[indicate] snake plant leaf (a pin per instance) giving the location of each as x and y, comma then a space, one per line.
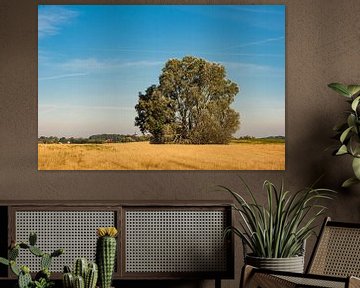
353, 89
355, 103
340, 88
356, 167
349, 182
345, 134
342, 150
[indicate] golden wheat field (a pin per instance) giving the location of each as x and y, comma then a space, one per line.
145, 156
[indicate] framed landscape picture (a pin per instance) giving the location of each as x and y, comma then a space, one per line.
161, 87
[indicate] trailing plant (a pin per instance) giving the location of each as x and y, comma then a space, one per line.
106, 254
42, 278
279, 229
348, 132
84, 275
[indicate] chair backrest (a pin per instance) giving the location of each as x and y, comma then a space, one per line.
337, 251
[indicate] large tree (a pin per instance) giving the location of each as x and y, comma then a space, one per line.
191, 104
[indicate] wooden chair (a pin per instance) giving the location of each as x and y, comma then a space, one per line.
335, 262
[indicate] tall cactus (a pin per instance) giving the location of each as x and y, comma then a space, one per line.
106, 254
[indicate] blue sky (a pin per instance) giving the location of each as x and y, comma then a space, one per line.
94, 59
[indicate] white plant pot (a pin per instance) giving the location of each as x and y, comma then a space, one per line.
291, 264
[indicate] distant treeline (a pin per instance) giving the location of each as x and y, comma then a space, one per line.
95, 139
247, 137
125, 138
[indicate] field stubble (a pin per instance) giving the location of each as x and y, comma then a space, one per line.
145, 156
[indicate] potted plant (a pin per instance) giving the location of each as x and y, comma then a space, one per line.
348, 132
42, 278
276, 233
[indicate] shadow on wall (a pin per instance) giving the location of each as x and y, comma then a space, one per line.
316, 161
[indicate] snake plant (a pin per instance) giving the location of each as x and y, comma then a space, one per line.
279, 228
348, 132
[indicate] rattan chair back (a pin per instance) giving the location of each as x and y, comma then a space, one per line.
337, 252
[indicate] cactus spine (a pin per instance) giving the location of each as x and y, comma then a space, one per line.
106, 254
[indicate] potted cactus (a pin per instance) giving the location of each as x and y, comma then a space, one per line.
84, 275
106, 254
42, 278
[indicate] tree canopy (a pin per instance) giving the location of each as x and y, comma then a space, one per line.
191, 104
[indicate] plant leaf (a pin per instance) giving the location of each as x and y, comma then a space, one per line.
349, 182
355, 103
351, 119
340, 88
342, 150
345, 134
353, 89
356, 167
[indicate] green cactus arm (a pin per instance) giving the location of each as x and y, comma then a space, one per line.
4, 261
91, 277
36, 251
79, 282
67, 269
32, 238
68, 280
81, 266
45, 261
24, 245
57, 252
24, 280
13, 253
14, 268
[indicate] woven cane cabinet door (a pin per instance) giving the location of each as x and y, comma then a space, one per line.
73, 229
171, 242
155, 241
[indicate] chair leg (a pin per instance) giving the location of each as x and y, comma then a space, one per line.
251, 279
246, 274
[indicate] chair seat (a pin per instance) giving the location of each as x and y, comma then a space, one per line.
268, 279
314, 282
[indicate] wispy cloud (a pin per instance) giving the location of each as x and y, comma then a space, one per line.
254, 69
54, 77
52, 18
266, 9
255, 43
96, 65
